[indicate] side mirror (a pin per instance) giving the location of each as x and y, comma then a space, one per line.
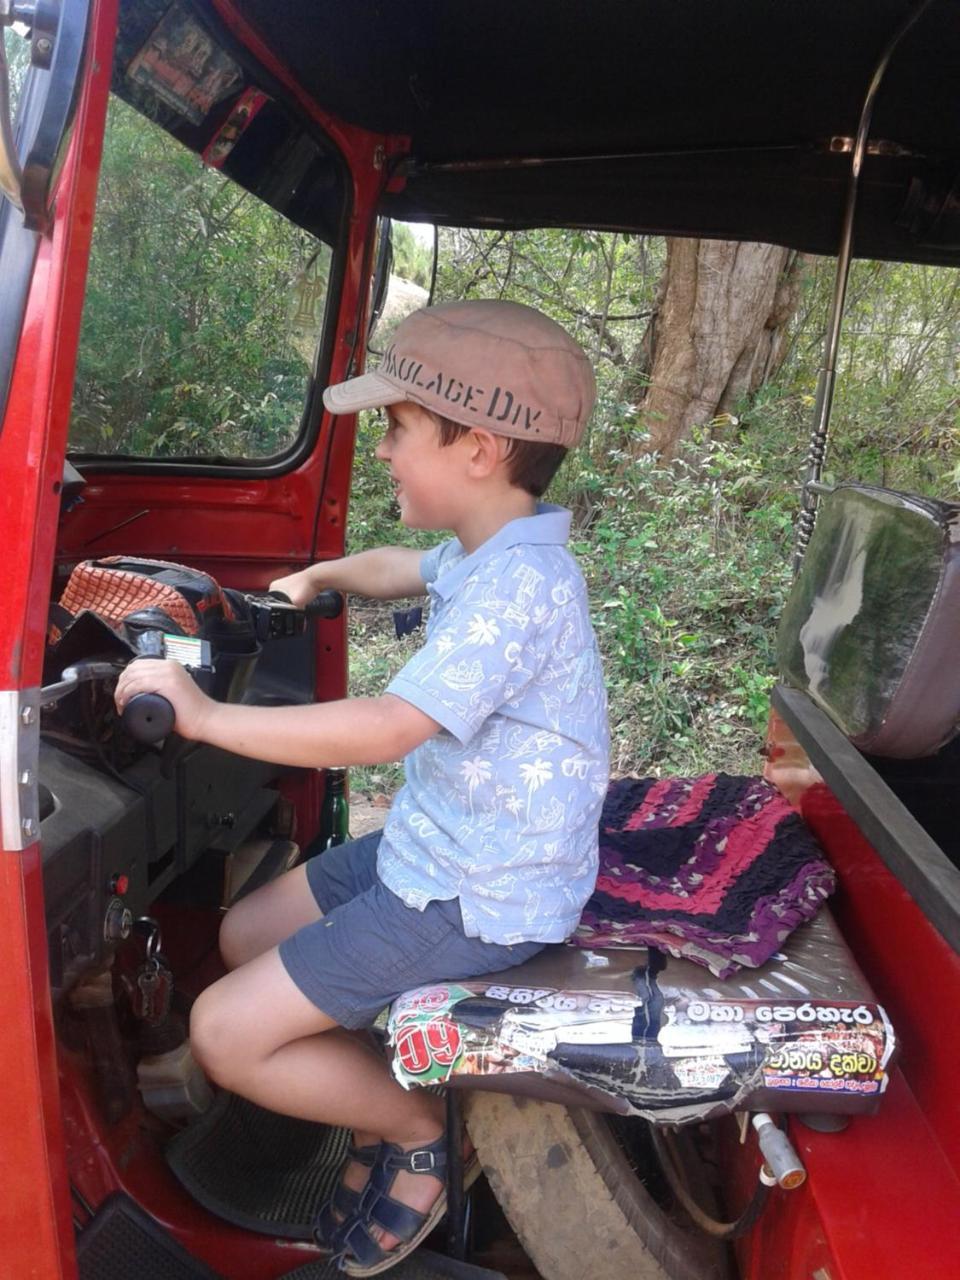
32, 148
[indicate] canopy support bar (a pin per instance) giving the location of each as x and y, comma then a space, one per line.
828, 369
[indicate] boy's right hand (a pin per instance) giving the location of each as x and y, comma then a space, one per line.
152, 675
300, 588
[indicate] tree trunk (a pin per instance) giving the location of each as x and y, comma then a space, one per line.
718, 333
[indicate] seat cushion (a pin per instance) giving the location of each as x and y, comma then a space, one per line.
716, 869
637, 1033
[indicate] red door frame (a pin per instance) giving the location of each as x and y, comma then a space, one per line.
36, 1235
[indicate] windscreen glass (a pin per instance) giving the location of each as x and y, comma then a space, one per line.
202, 314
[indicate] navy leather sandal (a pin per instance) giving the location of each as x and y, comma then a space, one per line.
361, 1254
343, 1203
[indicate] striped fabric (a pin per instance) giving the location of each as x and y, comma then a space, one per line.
716, 869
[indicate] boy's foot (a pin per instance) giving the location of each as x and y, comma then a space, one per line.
406, 1201
345, 1200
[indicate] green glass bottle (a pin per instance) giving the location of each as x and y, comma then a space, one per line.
335, 813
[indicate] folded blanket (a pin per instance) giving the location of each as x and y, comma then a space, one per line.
716, 869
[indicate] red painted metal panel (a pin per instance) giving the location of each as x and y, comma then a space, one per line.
914, 972
35, 1218
882, 1199
880, 1202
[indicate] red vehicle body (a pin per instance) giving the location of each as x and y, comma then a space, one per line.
883, 1197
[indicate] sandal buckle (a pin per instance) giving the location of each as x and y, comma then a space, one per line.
422, 1161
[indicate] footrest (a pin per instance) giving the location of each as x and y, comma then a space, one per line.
259, 1170
422, 1265
121, 1241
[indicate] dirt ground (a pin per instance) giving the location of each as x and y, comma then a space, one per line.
368, 813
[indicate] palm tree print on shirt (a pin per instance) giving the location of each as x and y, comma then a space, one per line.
534, 776
474, 772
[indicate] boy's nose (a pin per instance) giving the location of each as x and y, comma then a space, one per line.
381, 452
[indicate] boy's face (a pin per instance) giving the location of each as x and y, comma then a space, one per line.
428, 478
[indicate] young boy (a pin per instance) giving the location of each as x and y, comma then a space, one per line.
490, 848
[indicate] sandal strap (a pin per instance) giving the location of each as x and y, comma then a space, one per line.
344, 1202
430, 1159
367, 1156
379, 1208
390, 1215
354, 1241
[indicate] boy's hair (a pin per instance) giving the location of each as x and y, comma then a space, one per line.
530, 465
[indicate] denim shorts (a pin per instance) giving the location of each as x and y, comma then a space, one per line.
370, 946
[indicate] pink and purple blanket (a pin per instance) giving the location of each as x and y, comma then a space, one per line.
717, 869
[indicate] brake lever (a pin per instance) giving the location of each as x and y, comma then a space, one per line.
72, 677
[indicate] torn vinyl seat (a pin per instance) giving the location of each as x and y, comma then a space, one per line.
635, 1033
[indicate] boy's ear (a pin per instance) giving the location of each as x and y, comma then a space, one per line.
486, 452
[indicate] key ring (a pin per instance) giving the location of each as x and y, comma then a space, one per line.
147, 925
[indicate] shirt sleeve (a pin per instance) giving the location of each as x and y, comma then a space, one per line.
430, 562
483, 653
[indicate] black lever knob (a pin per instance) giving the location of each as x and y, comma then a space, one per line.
328, 604
148, 717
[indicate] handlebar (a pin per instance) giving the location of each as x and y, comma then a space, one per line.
150, 717
328, 604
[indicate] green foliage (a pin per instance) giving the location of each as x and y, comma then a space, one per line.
411, 259
201, 311
688, 564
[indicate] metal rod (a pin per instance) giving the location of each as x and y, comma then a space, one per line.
456, 1223
828, 370
493, 164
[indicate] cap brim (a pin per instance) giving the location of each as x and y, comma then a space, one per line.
369, 391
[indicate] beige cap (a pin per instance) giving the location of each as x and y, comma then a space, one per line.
498, 365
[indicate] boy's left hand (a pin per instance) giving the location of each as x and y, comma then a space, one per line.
155, 675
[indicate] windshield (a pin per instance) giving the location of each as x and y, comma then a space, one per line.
202, 313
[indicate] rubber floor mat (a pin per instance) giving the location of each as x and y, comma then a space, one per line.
257, 1169
422, 1265
121, 1241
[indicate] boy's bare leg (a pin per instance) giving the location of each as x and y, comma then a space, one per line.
267, 916
255, 1033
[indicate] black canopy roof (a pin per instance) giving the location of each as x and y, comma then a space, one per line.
709, 117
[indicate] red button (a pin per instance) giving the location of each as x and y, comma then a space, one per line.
120, 884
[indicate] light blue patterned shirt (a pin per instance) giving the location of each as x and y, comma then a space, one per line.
500, 808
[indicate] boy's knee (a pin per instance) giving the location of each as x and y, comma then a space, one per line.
235, 943
213, 1042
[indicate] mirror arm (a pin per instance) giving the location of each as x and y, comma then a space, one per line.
828, 370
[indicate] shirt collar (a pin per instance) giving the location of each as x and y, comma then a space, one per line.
550, 526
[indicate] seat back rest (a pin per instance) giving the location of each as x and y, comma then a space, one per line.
872, 627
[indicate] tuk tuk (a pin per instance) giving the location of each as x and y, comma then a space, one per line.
831, 129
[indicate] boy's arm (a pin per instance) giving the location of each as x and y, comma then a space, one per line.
353, 731
385, 573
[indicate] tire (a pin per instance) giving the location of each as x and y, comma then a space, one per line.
575, 1201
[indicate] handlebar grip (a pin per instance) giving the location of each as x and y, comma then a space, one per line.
328, 604
148, 717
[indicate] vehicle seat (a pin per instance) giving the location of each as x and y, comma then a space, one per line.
635, 1033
